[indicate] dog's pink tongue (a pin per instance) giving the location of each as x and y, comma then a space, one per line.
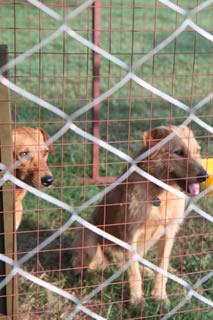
194, 189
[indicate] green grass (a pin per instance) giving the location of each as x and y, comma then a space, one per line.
62, 73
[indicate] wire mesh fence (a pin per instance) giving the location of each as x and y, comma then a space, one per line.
71, 132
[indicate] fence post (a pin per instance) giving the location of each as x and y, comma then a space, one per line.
8, 299
96, 86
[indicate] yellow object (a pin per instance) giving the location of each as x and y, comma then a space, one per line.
208, 165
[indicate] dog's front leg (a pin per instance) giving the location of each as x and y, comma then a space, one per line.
165, 245
135, 281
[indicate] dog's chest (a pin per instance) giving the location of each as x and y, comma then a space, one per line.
171, 209
162, 210
139, 206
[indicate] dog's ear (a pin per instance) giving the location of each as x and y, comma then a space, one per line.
46, 137
152, 137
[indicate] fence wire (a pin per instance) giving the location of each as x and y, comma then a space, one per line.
70, 126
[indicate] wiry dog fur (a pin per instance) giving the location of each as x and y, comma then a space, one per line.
128, 213
33, 171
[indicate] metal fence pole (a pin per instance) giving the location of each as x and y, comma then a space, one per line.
96, 86
8, 297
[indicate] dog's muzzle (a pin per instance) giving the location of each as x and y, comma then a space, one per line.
202, 176
47, 181
193, 186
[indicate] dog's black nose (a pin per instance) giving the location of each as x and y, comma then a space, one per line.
202, 176
47, 180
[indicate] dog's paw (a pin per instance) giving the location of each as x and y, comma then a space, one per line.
136, 297
160, 296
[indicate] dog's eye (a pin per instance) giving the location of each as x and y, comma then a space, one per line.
46, 152
23, 154
179, 153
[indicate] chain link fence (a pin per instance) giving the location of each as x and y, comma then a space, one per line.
70, 126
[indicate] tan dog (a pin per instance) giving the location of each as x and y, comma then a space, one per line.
137, 210
34, 171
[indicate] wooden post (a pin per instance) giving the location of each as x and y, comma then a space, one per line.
8, 301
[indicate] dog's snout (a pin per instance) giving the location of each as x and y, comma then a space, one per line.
47, 180
202, 176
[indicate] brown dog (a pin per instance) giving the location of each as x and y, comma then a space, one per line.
34, 171
137, 210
